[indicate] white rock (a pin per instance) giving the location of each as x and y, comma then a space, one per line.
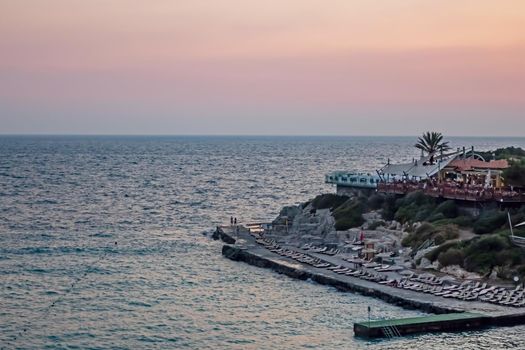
457, 271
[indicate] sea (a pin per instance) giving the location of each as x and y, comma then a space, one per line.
105, 244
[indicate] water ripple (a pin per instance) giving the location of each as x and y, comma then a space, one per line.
101, 244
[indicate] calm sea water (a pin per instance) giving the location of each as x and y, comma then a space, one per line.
101, 244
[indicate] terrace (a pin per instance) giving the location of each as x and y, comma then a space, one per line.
472, 193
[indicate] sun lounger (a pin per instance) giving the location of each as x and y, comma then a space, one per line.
342, 269
371, 264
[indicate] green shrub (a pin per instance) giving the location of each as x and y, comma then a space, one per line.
449, 231
483, 254
481, 262
490, 221
348, 215
425, 228
328, 201
413, 207
448, 209
421, 234
463, 221
437, 217
452, 256
428, 231
389, 207
408, 240
418, 198
433, 255
439, 239
422, 213
375, 201
515, 174
510, 257
504, 153
490, 243
347, 223
405, 213
413, 213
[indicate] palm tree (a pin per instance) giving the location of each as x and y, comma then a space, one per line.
431, 143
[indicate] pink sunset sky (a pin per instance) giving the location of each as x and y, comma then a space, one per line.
342, 67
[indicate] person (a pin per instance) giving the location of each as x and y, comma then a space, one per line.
231, 220
235, 221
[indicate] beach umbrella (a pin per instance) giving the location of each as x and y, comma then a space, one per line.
488, 179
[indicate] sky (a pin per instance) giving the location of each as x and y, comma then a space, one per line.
294, 67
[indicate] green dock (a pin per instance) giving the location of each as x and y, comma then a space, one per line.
452, 322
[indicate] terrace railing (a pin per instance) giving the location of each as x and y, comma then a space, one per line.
473, 194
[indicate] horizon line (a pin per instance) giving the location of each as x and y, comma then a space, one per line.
248, 134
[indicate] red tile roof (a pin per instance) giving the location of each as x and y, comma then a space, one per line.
470, 163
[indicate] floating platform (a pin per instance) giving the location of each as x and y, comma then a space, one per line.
453, 322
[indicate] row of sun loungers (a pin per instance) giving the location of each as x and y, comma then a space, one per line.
301, 257
322, 250
467, 291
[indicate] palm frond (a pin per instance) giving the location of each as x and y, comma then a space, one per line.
431, 142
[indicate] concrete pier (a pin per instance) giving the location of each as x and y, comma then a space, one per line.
246, 249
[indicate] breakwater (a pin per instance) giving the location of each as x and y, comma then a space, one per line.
260, 260
245, 249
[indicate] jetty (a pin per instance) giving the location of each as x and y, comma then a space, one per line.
435, 323
454, 314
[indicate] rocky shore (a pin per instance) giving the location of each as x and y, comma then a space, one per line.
439, 239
